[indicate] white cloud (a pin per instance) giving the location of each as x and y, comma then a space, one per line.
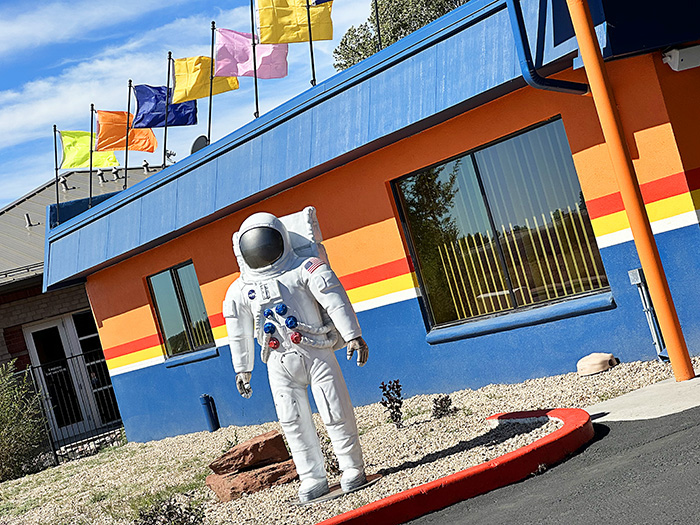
25, 26
29, 111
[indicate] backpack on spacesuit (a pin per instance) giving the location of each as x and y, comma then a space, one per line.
305, 234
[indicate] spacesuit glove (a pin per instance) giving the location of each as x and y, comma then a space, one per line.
243, 384
362, 350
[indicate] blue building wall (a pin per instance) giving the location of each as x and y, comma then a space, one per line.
157, 401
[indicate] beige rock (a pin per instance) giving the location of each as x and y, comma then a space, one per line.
228, 487
596, 362
261, 450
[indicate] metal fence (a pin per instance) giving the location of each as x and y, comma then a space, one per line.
80, 410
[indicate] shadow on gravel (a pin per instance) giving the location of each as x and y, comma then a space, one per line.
492, 437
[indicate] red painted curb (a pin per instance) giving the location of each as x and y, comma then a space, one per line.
499, 472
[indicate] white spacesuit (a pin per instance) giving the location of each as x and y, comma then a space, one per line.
300, 314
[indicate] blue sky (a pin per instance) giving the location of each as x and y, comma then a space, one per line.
59, 57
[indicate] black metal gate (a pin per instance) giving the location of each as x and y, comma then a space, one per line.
79, 405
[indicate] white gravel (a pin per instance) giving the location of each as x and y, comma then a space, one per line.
110, 487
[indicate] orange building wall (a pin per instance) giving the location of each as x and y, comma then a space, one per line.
357, 213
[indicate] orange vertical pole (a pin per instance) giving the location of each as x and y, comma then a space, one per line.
609, 117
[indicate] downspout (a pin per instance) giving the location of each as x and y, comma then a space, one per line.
527, 67
610, 123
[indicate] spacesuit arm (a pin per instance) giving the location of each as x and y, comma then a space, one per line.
330, 294
240, 328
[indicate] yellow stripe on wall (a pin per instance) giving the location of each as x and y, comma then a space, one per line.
670, 207
219, 332
374, 290
610, 223
662, 209
135, 357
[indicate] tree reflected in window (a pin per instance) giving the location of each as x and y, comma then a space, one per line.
501, 228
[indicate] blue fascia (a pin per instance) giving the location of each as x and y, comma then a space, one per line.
123, 225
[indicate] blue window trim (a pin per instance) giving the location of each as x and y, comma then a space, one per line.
192, 357
518, 319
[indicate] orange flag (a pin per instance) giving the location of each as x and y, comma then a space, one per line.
111, 133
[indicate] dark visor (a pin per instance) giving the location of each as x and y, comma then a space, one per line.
261, 246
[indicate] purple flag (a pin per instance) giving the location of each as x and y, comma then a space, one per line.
234, 56
319, 2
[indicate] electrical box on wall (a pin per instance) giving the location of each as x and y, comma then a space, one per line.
682, 59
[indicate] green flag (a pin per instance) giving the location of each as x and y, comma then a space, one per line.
76, 152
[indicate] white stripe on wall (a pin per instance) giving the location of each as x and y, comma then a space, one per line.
689, 218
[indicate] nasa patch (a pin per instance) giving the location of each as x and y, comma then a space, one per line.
251, 294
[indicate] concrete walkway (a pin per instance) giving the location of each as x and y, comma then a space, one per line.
657, 400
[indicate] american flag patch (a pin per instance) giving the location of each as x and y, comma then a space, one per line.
312, 264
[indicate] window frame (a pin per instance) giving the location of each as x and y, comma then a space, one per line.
590, 301
183, 309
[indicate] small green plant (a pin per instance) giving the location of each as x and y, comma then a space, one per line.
230, 443
442, 406
392, 400
22, 430
170, 512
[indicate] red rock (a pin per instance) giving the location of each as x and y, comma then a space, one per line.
228, 487
261, 450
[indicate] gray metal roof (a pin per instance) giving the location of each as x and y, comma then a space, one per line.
22, 246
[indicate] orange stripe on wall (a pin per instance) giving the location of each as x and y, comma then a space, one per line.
132, 346
653, 191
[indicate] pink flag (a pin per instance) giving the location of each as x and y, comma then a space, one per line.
234, 56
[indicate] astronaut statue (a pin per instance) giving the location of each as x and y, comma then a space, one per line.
289, 299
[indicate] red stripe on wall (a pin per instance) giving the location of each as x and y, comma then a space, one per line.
132, 346
603, 206
653, 191
217, 320
664, 188
376, 274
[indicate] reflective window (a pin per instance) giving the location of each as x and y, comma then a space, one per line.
180, 308
501, 228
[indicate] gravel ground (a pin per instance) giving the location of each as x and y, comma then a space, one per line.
111, 487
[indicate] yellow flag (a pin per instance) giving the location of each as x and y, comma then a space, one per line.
76, 151
286, 21
192, 80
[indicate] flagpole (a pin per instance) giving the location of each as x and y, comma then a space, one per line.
92, 125
126, 148
311, 45
167, 106
211, 79
376, 18
55, 163
255, 61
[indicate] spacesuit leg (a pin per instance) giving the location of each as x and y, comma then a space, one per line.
288, 381
333, 402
